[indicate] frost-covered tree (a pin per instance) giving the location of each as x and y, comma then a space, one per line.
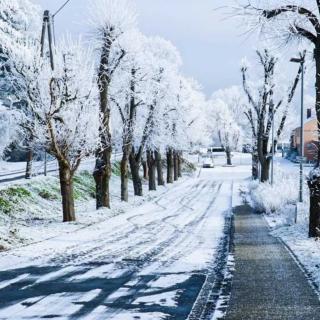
165, 63
110, 20
127, 97
161, 63
61, 112
9, 129
265, 101
228, 131
236, 100
19, 23
23, 70
229, 120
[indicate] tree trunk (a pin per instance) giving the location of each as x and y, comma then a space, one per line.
29, 164
314, 184
145, 170
125, 173
152, 170
317, 87
175, 166
159, 168
136, 179
229, 159
170, 165
180, 165
103, 169
314, 221
102, 175
265, 170
255, 165
255, 160
66, 188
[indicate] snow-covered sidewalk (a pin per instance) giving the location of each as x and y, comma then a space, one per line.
147, 262
279, 204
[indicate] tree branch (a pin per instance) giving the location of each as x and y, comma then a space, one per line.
269, 14
247, 90
304, 33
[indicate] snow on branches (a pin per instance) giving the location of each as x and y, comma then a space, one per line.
284, 20
227, 119
18, 21
131, 95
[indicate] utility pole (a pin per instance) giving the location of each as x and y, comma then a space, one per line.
47, 28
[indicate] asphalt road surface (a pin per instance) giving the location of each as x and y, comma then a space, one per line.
268, 284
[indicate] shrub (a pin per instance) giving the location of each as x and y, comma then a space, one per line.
271, 198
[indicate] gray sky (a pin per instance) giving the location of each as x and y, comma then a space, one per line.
211, 46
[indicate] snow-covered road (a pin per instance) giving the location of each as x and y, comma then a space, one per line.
148, 263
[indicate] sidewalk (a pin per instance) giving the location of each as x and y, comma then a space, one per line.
267, 284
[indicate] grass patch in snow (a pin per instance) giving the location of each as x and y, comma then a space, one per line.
37, 203
10, 197
116, 168
188, 166
84, 186
48, 195
5, 206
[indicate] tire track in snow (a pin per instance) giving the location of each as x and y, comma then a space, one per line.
122, 232
128, 236
206, 302
181, 239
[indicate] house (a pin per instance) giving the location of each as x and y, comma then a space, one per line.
310, 138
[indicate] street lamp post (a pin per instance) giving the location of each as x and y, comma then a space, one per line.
273, 145
301, 60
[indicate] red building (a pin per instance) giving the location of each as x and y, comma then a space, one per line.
310, 139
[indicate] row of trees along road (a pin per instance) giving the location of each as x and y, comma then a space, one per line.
130, 95
294, 22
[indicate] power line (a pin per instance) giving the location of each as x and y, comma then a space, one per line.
61, 8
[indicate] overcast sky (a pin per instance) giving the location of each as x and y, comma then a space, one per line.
211, 45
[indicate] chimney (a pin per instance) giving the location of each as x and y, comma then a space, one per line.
309, 113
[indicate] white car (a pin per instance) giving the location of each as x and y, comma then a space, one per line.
208, 163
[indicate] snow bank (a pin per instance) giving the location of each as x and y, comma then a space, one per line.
269, 198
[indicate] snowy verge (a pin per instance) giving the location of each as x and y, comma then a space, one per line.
273, 198
30, 211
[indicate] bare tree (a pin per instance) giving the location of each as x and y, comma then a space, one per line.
263, 108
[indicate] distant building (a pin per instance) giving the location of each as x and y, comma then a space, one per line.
310, 138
